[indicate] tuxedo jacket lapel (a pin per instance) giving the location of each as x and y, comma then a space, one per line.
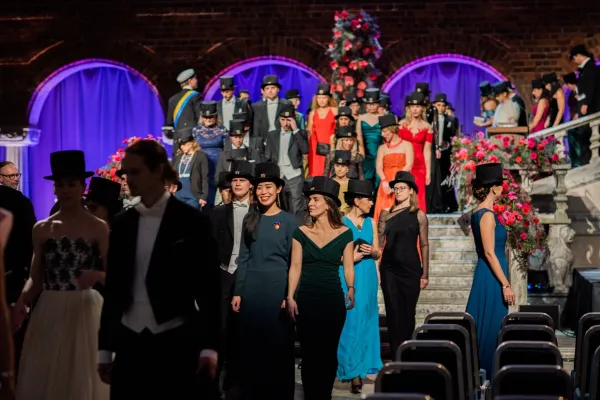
229, 217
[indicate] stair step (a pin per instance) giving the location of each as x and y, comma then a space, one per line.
446, 230
453, 242
443, 219
453, 254
443, 267
453, 281
424, 309
445, 293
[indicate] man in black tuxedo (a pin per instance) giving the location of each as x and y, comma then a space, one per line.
522, 121
227, 221
286, 147
161, 316
239, 146
445, 128
18, 252
266, 112
229, 104
184, 107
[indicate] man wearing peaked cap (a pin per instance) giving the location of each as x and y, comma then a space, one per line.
183, 110
229, 105
266, 112
293, 96
286, 147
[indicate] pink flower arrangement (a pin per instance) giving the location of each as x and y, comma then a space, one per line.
109, 171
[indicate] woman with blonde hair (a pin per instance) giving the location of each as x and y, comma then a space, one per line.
321, 125
404, 273
191, 165
346, 141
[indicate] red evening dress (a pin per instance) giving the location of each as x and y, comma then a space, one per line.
322, 129
419, 170
540, 125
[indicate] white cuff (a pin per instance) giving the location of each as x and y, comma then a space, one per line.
105, 357
210, 354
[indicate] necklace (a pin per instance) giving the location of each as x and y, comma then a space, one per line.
389, 144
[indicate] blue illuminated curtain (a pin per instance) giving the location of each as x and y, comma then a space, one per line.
290, 77
459, 81
2, 153
93, 110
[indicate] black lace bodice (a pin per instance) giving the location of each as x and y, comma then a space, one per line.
66, 258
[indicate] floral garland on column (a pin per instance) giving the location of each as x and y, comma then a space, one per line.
354, 50
109, 171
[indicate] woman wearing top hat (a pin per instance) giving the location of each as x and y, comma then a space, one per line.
192, 168
103, 198
415, 129
402, 232
60, 349
540, 105
346, 141
210, 136
491, 293
320, 127
488, 105
319, 305
369, 132
359, 351
266, 333
557, 105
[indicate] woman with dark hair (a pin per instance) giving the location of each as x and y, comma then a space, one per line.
557, 100
359, 351
59, 358
540, 108
403, 230
491, 293
102, 198
266, 333
319, 306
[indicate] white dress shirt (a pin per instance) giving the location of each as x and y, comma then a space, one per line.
228, 108
285, 164
272, 112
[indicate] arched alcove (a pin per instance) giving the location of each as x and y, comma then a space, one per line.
250, 72
456, 75
90, 105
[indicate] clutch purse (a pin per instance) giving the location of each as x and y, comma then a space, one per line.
323, 149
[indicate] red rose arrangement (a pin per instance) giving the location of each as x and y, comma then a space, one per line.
109, 171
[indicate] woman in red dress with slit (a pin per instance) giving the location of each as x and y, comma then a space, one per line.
415, 129
321, 125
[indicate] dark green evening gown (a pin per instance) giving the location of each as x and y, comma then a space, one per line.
266, 331
321, 313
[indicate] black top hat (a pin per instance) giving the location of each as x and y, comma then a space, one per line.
241, 169
351, 98
422, 87
416, 99
241, 115
485, 89
371, 96
185, 136
67, 164
270, 80
238, 155
387, 120
500, 87
344, 112
440, 98
580, 49
385, 102
570, 78
384, 95
449, 106
226, 83
292, 94
488, 175
236, 127
537, 84
208, 108
405, 177
223, 182
326, 187
342, 157
406, 100
360, 188
287, 111
345, 132
106, 193
324, 88
244, 91
550, 78
267, 172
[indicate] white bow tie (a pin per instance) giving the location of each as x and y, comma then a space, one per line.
237, 204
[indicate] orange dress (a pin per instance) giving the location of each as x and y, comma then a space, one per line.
392, 163
322, 129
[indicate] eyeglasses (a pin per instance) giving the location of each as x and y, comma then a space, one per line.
400, 189
12, 176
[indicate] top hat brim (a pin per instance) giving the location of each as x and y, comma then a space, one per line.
261, 179
231, 176
487, 182
413, 185
270, 84
349, 116
209, 115
84, 175
360, 194
335, 199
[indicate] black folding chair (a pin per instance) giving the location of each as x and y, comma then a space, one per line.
396, 396
528, 318
407, 377
591, 342
519, 397
527, 333
442, 352
459, 336
532, 380
526, 353
586, 322
595, 377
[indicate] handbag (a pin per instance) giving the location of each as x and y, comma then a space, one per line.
323, 149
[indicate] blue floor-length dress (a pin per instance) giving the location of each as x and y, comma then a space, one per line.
359, 351
486, 302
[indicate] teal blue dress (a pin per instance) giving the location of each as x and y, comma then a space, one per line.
372, 141
359, 351
486, 302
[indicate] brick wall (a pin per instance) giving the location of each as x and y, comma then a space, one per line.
520, 38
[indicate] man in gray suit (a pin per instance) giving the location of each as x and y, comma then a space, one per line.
266, 112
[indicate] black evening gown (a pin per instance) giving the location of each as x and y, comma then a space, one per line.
321, 313
400, 233
266, 332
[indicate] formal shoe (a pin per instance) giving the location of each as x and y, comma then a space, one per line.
357, 387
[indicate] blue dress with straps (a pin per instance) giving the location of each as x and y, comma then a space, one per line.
372, 141
486, 302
